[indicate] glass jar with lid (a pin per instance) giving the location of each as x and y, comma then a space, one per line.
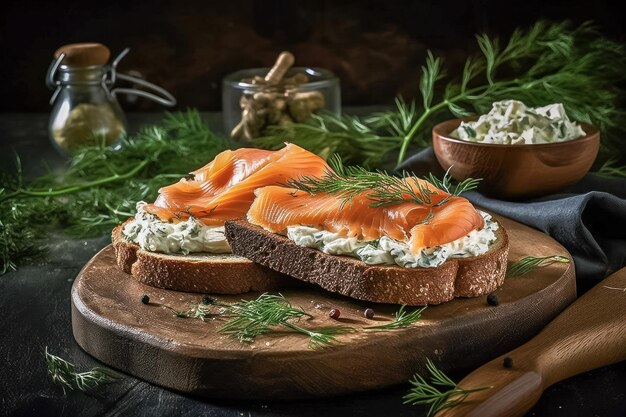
85, 108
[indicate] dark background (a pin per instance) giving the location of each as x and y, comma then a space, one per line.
376, 47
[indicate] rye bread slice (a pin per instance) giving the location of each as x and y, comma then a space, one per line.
458, 277
203, 272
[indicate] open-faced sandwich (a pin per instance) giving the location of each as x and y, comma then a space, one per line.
178, 241
375, 237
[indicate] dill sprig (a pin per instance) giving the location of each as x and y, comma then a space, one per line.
547, 63
611, 169
382, 188
326, 134
64, 373
440, 392
253, 318
402, 318
530, 263
101, 185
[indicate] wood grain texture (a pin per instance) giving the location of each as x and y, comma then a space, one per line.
589, 334
516, 171
188, 355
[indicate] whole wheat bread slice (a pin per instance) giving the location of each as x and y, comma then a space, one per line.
457, 277
202, 272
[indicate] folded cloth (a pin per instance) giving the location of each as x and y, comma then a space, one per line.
588, 219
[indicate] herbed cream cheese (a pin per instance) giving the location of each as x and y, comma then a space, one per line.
511, 122
155, 235
387, 251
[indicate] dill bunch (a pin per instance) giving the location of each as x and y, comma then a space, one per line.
101, 185
547, 63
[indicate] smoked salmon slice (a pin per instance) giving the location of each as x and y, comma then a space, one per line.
420, 225
224, 188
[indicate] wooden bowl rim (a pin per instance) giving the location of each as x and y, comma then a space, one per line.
592, 133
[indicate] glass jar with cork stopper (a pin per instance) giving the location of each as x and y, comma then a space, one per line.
85, 107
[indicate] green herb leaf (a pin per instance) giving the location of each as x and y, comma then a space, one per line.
64, 373
250, 319
402, 319
382, 189
530, 263
101, 185
440, 392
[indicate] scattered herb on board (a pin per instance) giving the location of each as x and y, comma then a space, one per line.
64, 373
547, 63
383, 189
401, 319
249, 319
530, 263
440, 392
101, 185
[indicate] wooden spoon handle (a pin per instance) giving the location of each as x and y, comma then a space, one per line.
589, 334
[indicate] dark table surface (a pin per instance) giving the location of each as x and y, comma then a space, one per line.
35, 313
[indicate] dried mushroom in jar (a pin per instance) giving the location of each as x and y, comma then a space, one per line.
278, 100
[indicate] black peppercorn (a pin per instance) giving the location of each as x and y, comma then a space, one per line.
507, 362
493, 300
368, 313
145, 299
334, 313
207, 299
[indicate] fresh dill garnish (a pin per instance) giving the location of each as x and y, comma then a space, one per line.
253, 318
530, 263
64, 373
440, 392
382, 188
326, 134
547, 63
402, 318
611, 169
101, 185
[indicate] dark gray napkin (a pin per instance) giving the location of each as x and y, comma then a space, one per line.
589, 218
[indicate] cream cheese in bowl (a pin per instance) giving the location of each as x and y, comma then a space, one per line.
511, 122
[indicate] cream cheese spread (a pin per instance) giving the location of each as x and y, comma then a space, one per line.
387, 251
511, 122
155, 235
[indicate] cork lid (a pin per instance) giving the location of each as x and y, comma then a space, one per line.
84, 54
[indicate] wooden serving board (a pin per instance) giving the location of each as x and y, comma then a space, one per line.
189, 355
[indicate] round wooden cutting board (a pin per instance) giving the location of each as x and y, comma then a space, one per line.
189, 355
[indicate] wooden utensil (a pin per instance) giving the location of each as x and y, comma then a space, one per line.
589, 334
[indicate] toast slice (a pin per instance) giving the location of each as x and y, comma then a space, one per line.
457, 277
199, 272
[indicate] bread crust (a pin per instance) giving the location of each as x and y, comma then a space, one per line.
201, 273
457, 277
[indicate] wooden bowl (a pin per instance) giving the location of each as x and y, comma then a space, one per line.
516, 171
